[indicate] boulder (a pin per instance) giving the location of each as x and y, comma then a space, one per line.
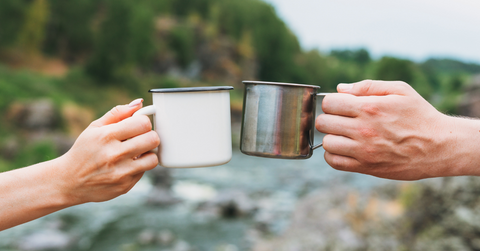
234, 203
37, 115
470, 104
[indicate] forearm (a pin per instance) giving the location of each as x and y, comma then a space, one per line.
30, 193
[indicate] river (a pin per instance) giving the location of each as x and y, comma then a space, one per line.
126, 222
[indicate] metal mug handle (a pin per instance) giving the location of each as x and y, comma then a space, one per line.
320, 94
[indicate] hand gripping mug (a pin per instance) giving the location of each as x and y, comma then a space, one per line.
278, 120
193, 124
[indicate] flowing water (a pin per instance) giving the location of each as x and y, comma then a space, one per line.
273, 185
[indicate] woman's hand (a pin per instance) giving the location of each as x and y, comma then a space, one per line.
388, 130
109, 157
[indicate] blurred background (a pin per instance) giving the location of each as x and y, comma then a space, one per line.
65, 63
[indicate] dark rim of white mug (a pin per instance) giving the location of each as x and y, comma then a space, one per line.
279, 83
193, 89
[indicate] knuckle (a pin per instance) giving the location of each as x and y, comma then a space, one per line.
154, 139
370, 155
115, 111
117, 177
365, 85
370, 108
367, 132
144, 123
106, 136
337, 163
403, 86
112, 157
151, 161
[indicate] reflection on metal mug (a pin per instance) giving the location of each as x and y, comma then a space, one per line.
278, 120
193, 124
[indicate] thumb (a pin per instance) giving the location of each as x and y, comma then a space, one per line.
118, 113
375, 88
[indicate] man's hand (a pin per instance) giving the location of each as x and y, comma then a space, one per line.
386, 129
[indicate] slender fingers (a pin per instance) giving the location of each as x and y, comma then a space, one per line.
140, 144
145, 162
118, 113
130, 127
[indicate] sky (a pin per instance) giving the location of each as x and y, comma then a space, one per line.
411, 29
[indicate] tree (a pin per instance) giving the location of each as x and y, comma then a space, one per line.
32, 33
12, 15
124, 40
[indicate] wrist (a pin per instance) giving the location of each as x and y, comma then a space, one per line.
63, 182
463, 142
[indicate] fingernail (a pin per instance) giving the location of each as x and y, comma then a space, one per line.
344, 87
136, 102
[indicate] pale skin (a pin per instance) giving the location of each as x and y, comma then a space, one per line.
386, 129
106, 161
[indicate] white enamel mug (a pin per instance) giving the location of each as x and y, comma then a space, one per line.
193, 124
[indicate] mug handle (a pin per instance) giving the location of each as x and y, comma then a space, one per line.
320, 94
147, 110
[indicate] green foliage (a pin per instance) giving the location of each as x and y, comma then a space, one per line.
70, 27
359, 56
185, 7
118, 43
314, 67
12, 15
4, 165
182, 41
451, 66
124, 40
32, 33
16, 86
36, 152
390, 68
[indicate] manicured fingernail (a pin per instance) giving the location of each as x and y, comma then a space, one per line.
136, 102
344, 87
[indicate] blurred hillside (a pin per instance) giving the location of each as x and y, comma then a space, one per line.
64, 63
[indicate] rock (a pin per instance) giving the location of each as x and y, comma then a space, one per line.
129, 247
146, 237
227, 247
36, 115
470, 104
337, 219
76, 118
161, 177
165, 237
181, 245
234, 203
10, 148
161, 197
49, 239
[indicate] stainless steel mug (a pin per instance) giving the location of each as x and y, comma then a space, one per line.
278, 120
